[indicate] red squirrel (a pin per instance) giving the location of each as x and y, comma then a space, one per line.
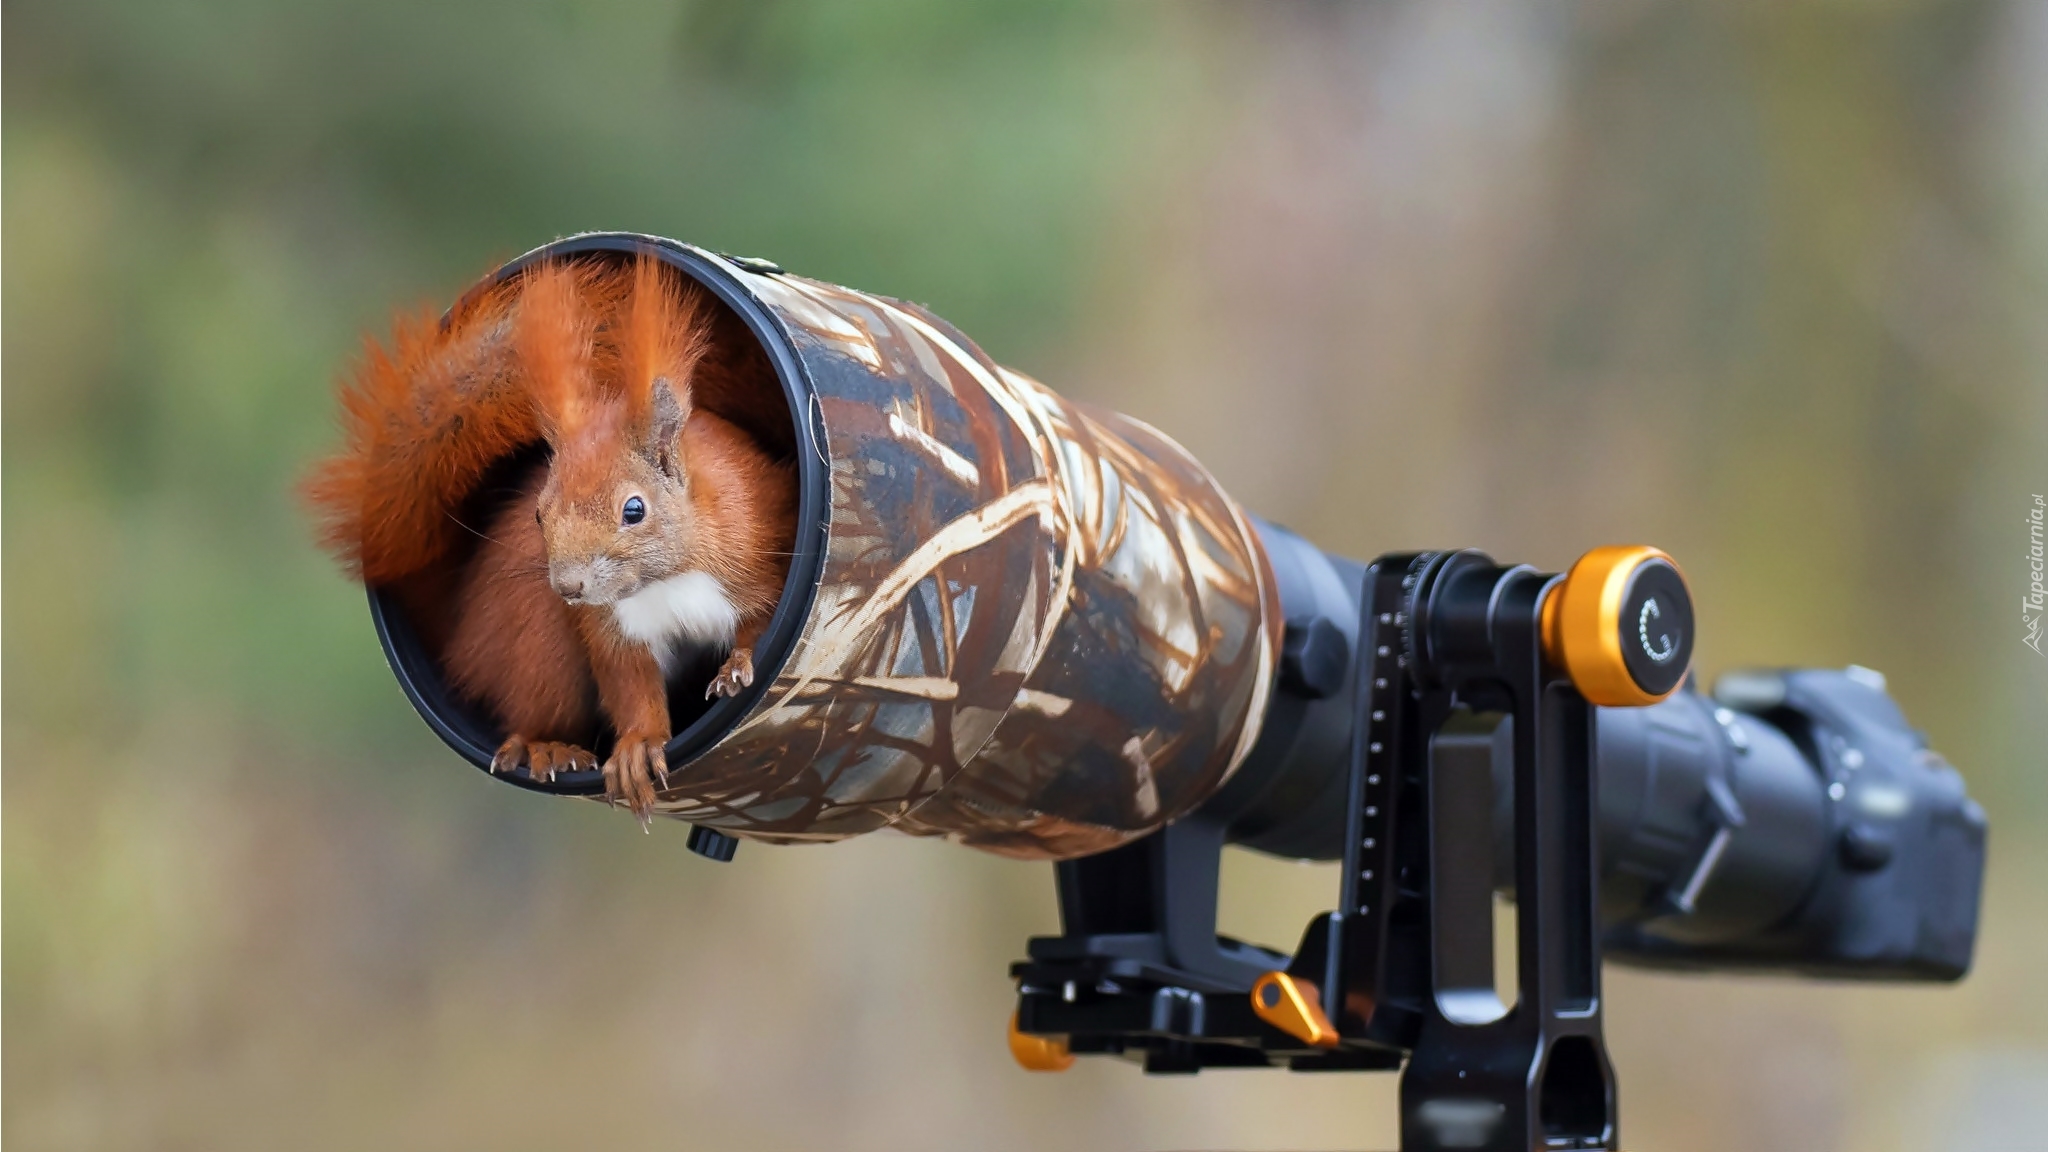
656, 525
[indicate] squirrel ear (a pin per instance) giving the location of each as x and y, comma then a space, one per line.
671, 409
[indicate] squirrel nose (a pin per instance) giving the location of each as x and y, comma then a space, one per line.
569, 587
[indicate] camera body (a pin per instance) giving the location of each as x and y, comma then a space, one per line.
1850, 848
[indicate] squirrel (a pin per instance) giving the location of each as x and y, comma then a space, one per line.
655, 526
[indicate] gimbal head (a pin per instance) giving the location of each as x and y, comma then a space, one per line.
1394, 969
1769, 805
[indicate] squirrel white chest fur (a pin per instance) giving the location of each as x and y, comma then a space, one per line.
687, 608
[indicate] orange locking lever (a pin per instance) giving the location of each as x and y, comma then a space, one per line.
1294, 1007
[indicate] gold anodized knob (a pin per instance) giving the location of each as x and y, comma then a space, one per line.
1620, 625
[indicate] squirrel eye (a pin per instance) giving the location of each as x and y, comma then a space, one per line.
635, 510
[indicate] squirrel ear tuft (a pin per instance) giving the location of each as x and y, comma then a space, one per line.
663, 333
671, 409
553, 335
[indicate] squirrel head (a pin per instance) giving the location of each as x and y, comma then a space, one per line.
617, 510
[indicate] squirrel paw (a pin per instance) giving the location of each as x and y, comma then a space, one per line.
737, 673
638, 761
541, 758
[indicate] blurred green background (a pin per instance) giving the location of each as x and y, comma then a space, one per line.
1761, 283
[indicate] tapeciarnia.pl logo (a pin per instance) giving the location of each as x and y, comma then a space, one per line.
2036, 601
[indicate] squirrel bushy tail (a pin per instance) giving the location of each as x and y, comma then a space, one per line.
422, 418
426, 416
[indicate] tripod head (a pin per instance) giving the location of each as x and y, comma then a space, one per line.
1515, 732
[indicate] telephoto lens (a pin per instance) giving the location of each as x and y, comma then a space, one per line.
1042, 629
1027, 625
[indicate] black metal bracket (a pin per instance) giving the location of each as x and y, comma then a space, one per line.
1403, 966
1483, 1074
1141, 973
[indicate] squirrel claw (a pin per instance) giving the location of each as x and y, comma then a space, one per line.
541, 758
737, 673
510, 757
629, 776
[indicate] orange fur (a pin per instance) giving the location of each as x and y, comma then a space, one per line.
422, 421
601, 361
747, 502
555, 336
513, 643
663, 336
552, 670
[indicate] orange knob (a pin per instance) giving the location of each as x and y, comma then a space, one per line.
1620, 625
1038, 1053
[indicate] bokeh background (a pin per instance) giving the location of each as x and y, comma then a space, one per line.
1764, 283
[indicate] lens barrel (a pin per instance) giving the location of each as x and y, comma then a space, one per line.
1013, 621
